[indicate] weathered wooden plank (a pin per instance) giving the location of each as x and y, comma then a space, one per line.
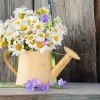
97, 20
50, 97
6, 10
40, 3
12, 4
3, 16
71, 92
78, 16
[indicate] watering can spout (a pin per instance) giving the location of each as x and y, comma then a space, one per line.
63, 62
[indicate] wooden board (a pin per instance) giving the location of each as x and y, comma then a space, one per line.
97, 21
9, 85
71, 92
40, 3
6, 10
78, 16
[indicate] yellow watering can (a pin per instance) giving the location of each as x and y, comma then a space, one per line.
38, 66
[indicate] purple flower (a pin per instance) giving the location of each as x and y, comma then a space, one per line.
62, 83
44, 43
30, 84
44, 18
36, 82
52, 83
43, 87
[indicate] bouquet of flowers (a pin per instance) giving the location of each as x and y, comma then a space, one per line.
29, 30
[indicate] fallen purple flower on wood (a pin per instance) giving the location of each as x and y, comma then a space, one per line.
29, 85
43, 87
36, 82
62, 83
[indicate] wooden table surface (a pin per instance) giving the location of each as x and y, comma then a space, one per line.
73, 91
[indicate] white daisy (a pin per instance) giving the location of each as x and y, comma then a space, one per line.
17, 48
45, 49
39, 27
40, 37
17, 21
50, 45
42, 10
30, 40
16, 33
56, 39
56, 29
46, 10
24, 28
20, 12
40, 47
29, 12
62, 29
32, 19
48, 34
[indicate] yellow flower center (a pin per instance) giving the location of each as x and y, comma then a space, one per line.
5, 43
21, 15
23, 27
56, 38
49, 44
55, 30
33, 41
34, 21
30, 37
47, 35
29, 32
41, 35
18, 47
17, 22
38, 26
28, 20
39, 44
41, 11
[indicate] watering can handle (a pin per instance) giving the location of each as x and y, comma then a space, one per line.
7, 62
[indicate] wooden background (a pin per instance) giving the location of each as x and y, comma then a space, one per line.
82, 18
